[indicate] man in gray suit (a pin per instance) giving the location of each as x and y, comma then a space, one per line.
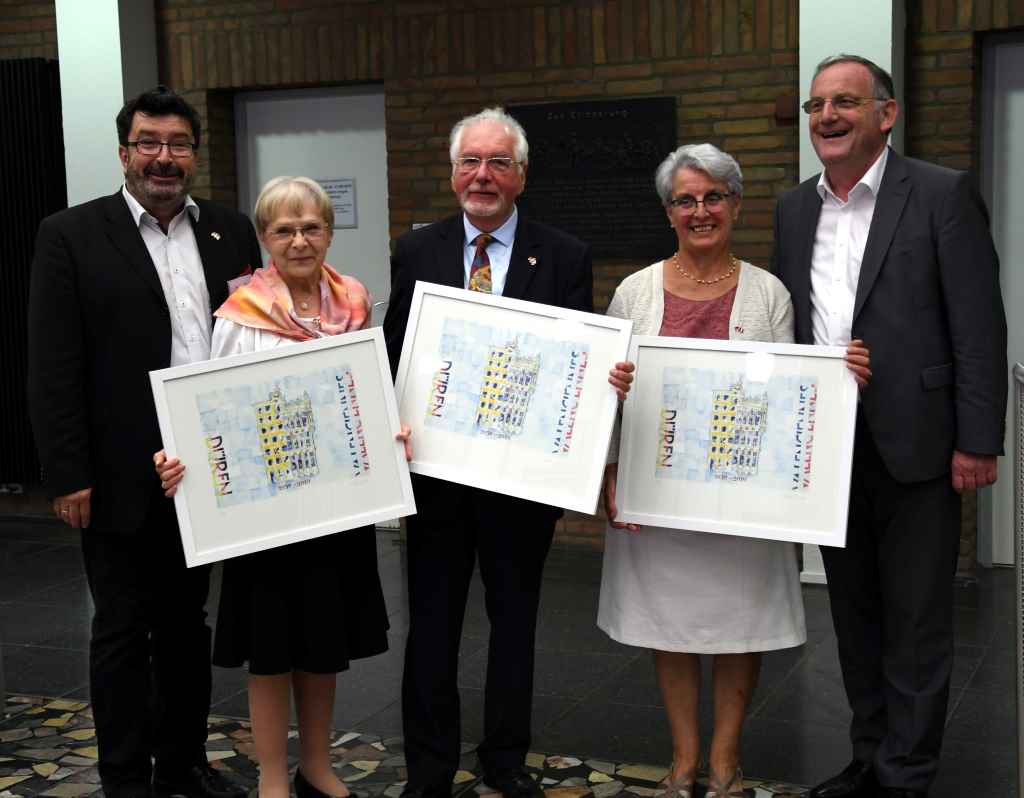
897, 252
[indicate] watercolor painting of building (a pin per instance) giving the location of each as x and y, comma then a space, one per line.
737, 433
287, 431
509, 382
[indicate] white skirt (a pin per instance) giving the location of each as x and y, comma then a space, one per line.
701, 593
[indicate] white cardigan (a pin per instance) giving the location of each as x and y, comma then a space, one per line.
761, 311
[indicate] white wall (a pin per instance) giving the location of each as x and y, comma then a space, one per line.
324, 134
92, 85
874, 29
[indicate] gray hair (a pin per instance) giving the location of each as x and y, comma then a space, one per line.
882, 80
706, 158
520, 149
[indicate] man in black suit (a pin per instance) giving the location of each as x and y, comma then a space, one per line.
122, 285
488, 247
897, 252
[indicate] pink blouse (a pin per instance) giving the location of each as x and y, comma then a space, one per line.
697, 318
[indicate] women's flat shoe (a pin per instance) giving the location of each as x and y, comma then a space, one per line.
303, 789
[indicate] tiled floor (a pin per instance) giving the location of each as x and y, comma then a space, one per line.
596, 701
48, 748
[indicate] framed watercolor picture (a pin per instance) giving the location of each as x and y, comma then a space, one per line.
283, 445
508, 395
740, 438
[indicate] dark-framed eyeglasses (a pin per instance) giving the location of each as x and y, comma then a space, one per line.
178, 149
712, 201
283, 234
499, 164
841, 102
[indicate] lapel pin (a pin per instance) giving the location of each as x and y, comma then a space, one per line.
215, 236
531, 260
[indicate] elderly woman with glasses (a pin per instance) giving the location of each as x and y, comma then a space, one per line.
683, 594
272, 603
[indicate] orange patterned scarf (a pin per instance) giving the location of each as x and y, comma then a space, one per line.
266, 304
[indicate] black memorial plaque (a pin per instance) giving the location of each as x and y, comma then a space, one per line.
591, 172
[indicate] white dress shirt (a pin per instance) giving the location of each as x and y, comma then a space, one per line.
499, 251
176, 257
838, 251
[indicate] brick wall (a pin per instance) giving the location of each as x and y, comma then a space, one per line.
943, 75
725, 62
27, 30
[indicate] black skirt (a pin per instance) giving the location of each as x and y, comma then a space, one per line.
312, 606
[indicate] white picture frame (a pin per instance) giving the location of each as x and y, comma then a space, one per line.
738, 438
533, 440
326, 412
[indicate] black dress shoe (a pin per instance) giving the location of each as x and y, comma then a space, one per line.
856, 781
127, 791
199, 781
515, 784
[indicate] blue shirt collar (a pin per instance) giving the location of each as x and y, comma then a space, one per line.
504, 235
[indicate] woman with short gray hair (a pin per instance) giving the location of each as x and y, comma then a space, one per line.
272, 602
679, 593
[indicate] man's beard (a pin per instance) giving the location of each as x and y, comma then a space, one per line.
480, 207
143, 189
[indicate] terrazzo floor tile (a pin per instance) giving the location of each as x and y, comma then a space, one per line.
564, 776
62, 764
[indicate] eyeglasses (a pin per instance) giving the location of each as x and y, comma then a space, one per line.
178, 149
841, 102
500, 165
285, 235
712, 201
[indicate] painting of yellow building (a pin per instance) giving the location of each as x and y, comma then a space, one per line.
509, 382
737, 430
287, 432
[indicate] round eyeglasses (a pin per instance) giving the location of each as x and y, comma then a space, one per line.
712, 201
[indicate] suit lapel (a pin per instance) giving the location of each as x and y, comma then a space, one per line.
124, 233
892, 197
450, 268
809, 211
211, 252
520, 268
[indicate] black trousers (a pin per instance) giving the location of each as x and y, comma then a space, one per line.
441, 558
149, 656
891, 591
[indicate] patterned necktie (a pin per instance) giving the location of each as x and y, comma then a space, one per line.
480, 271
